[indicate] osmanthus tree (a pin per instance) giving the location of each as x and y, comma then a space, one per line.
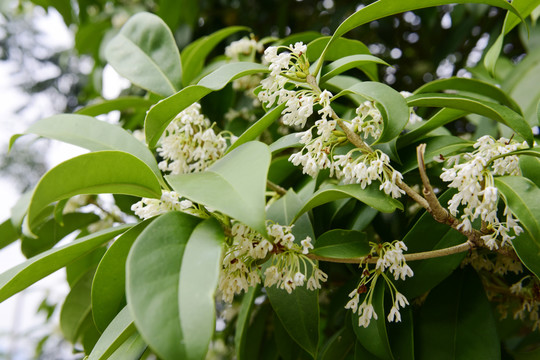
322, 214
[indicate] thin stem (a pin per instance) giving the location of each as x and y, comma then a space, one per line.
435, 208
466, 246
275, 187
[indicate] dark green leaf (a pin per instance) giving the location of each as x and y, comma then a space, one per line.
342, 244
456, 321
145, 52
243, 322
371, 196
349, 62
153, 275
523, 198
339, 345
112, 172
234, 185
194, 55
108, 288
394, 109
23, 275
160, 115
199, 276
489, 109
76, 307
374, 338
256, 129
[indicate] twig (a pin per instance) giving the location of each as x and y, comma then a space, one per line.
435, 209
275, 187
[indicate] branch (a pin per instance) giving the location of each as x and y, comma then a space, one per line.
275, 187
466, 246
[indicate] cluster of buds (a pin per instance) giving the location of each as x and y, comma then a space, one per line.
288, 267
472, 175
391, 259
170, 201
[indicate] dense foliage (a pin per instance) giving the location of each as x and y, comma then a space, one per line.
279, 201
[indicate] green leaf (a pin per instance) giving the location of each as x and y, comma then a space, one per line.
342, 244
243, 322
349, 62
401, 335
470, 86
374, 338
92, 134
384, 8
119, 330
441, 118
283, 211
145, 52
111, 172
523, 198
285, 142
489, 109
108, 288
76, 307
194, 55
524, 7
257, 128
120, 103
199, 277
23, 275
234, 185
132, 349
530, 168
394, 109
456, 321
340, 344
8, 234
371, 196
426, 235
52, 232
152, 282
435, 146
299, 314
161, 114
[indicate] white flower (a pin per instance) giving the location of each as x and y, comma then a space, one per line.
306, 245
394, 315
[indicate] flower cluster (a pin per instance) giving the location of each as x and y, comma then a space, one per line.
472, 175
288, 267
190, 144
170, 201
243, 48
390, 257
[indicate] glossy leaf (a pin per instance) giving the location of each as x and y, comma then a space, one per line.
199, 277
523, 198
256, 129
234, 185
120, 103
456, 321
119, 330
371, 196
153, 275
342, 244
349, 62
524, 7
426, 235
112, 172
194, 55
91, 134
441, 118
25, 274
108, 287
52, 232
8, 234
489, 109
394, 109
299, 314
384, 8
374, 338
76, 307
160, 115
145, 52
243, 322
470, 86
